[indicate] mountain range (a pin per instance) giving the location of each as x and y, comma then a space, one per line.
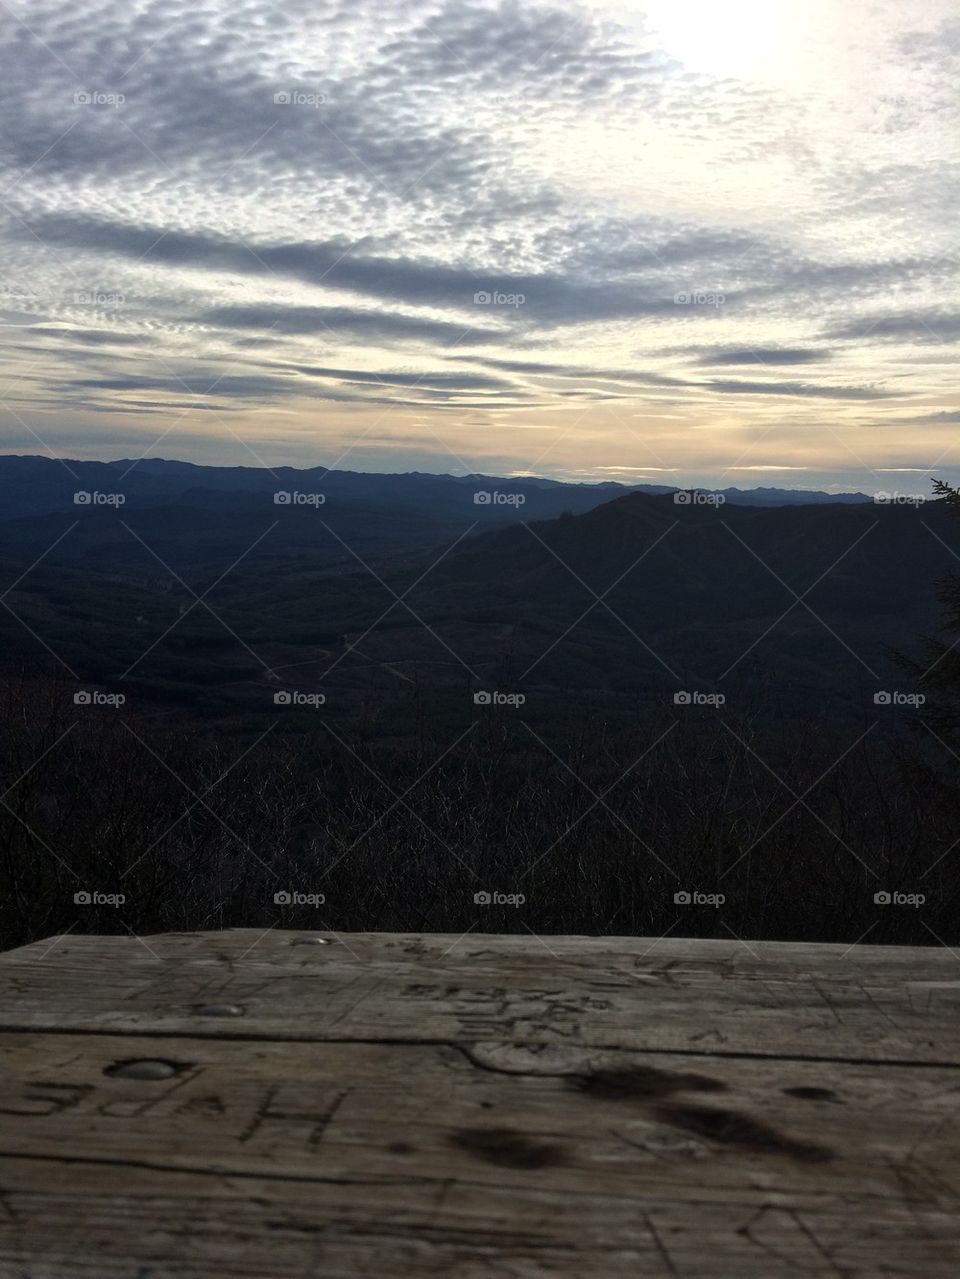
33, 485
202, 590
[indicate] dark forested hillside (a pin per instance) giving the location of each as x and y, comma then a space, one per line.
620, 605
211, 697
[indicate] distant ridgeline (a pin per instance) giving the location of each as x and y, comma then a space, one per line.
581, 599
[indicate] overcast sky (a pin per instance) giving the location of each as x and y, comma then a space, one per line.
682, 241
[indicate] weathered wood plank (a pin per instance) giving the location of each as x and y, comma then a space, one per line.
139, 1224
487, 1106
628, 1124
869, 1003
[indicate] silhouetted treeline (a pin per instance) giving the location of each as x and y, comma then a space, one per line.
598, 831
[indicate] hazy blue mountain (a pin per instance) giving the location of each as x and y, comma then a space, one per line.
693, 595
32, 485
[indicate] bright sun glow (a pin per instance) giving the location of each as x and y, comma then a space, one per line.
731, 38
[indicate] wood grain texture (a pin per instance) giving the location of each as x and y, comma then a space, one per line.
827, 1001
259, 1105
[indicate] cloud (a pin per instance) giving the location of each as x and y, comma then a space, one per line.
93, 337
806, 389
302, 202
433, 380
761, 355
347, 322
256, 388
527, 298
920, 326
945, 418
580, 373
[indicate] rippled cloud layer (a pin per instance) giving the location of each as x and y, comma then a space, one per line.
679, 240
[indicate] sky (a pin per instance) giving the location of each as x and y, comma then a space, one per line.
676, 242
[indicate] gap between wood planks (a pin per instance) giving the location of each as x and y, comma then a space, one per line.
465, 1047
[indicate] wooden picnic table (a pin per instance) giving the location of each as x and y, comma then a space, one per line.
285, 1105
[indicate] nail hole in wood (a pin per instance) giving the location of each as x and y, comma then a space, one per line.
145, 1068
220, 1010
